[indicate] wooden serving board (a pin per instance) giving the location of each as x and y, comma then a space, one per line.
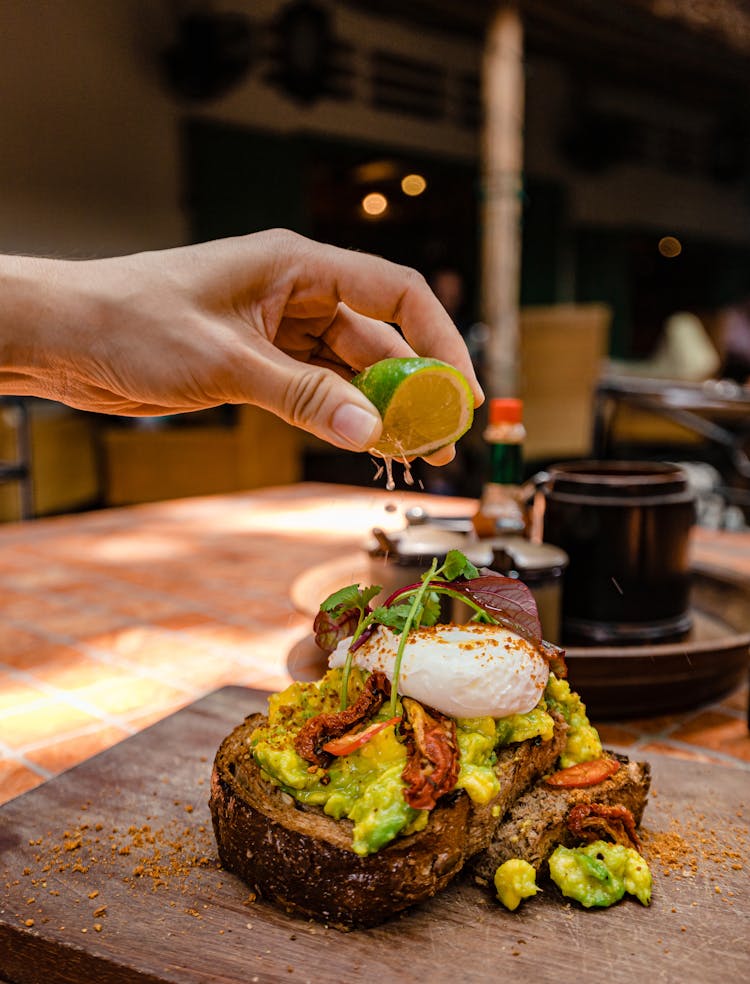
123, 842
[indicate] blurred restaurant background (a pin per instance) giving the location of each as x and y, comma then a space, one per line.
573, 178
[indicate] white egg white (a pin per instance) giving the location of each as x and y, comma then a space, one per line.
464, 671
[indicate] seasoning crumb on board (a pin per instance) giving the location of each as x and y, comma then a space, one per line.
170, 855
679, 851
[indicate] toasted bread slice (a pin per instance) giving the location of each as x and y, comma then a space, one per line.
537, 821
303, 860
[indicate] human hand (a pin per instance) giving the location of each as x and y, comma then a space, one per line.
272, 319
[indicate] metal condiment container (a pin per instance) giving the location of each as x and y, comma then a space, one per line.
541, 567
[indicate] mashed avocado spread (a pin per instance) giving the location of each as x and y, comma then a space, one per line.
515, 880
599, 874
366, 786
582, 743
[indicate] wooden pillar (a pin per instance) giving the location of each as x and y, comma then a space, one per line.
502, 165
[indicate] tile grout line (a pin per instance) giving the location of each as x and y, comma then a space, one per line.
85, 731
159, 594
100, 655
15, 756
104, 655
724, 758
67, 698
663, 734
88, 572
156, 594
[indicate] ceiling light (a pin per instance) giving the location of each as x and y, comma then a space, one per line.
374, 203
670, 246
413, 185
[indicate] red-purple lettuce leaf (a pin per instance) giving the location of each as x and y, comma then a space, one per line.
508, 600
329, 631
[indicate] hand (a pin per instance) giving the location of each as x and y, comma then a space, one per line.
272, 319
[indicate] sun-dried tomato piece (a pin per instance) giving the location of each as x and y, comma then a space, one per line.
584, 774
322, 728
555, 657
353, 740
597, 821
433, 760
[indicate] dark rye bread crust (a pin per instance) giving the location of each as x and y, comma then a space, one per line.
536, 823
303, 860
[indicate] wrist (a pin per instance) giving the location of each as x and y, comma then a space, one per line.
37, 306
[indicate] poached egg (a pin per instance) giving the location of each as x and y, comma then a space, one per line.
472, 670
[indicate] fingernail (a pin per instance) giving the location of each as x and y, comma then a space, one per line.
358, 427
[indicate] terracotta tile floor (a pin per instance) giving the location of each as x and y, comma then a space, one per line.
109, 621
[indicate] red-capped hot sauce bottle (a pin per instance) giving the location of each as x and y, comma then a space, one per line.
501, 509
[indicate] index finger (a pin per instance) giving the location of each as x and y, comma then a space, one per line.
389, 291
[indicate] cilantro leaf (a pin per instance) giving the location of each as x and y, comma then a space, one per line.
430, 609
393, 617
351, 596
457, 565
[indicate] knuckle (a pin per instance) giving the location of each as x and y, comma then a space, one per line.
283, 240
414, 280
413, 284
305, 396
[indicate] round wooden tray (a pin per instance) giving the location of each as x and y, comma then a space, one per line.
615, 681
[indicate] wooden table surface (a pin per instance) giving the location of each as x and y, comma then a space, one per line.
111, 620
108, 874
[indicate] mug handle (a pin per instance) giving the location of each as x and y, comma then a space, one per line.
535, 490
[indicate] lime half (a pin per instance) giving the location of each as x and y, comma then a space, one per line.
425, 404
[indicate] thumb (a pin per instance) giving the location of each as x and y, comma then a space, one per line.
321, 402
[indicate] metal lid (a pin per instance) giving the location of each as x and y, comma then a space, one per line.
421, 543
528, 557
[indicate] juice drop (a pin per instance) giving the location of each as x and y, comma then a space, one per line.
390, 483
387, 467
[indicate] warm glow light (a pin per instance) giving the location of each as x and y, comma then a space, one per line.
374, 203
373, 172
670, 246
413, 184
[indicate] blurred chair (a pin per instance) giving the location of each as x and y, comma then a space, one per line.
691, 351
146, 464
50, 452
15, 455
562, 350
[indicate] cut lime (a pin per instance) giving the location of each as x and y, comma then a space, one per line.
425, 404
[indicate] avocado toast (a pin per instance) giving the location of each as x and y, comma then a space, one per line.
355, 798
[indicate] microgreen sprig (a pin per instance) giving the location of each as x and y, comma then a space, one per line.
415, 605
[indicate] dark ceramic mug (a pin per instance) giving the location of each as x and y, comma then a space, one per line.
625, 526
